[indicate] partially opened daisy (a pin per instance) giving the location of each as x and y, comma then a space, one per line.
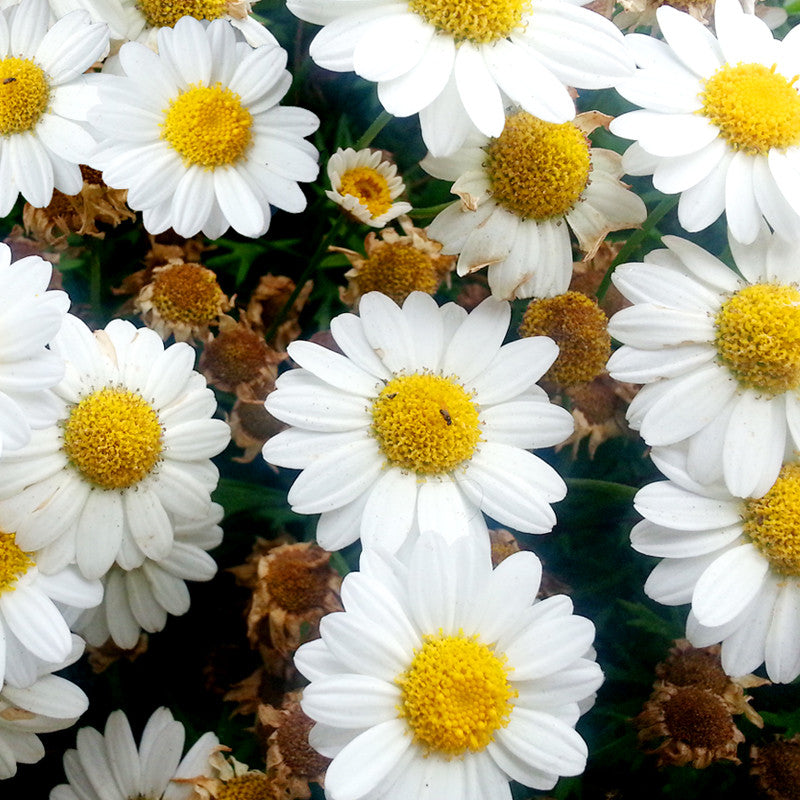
445, 678
195, 135
424, 421
736, 561
43, 101
719, 354
30, 317
111, 765
459, 62
518, 191
720, 120
127, 461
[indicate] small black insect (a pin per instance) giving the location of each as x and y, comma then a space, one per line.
446, 414
391, 396
8, 80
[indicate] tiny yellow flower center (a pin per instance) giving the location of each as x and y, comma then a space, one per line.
397, 269
772, 522
14, 563
24, 94
113, 438
758, 337
754, 107
479, 21
165, 13
580, 329
538, 169
250, 786
187, 293
455, 694
369, 187
208, 126
425, 423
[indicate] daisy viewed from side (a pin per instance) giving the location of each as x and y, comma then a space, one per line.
424, 421
458, 62
720, 120
719, 354
128, 460
196, 136
737, 561
445, 678
517, 192
111, 765
44, 99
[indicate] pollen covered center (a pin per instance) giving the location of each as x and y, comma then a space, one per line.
14, 563
772, 522
425, 423
397, 269
250, 786
369, 187
758, 337
479, 21
455, 694
208, 126
754, 107
538, 169
187, 293
24, 94
113, 437
165, 13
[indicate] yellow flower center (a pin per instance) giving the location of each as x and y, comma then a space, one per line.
773, 521
24, 94
455, 694
250, 786
758, 337
14, 563
425, 423
208, 126
369, 187
113, 438
580, 329
187, 293
479, 21
538, 169
754, 107
161, 14
397, 269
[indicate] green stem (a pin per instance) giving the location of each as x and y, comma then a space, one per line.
658, 213
430, 211
381, 121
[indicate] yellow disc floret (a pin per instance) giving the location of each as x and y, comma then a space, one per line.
580, 329
208, 126
758, 337
425, 423
250, 786
113, 437
398, 269
754, 107
24, 94
538, 169
455, 694
14, 563
187, 293
165, 13
369, 187
772, 522
479, 21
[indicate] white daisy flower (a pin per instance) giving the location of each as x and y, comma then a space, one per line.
720, 355
366, 186
33, 628
458, 62
140, 599
49, 704
128, 459
424, 420
720, 120
736, 561
518, 190
448, 678
110, 764
43, 101
195, 135
30, 317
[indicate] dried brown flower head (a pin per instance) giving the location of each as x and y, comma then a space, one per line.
503, 545
251, 423
776, 768
268, 304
